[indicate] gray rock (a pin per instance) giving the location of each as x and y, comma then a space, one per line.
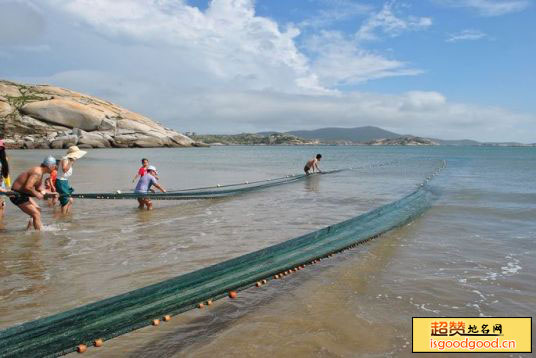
95, 140
64, 141
107, 125
51, 136
78, 132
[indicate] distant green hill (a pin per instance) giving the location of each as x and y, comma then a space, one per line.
335, 134
273, 138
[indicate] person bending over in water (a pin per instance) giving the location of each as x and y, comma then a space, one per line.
312, 165
30, 184
144, 185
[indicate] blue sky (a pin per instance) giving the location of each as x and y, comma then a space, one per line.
440, 68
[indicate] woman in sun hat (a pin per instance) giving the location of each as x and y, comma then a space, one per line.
65, 170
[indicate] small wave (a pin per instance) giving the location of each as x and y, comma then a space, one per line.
51, 228
512, 267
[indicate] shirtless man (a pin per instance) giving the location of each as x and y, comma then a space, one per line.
30, 184
312, 165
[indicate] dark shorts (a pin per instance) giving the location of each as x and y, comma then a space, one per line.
142, 195
64, 190
306, 169
19, 199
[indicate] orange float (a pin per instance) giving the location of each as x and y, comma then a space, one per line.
167, 318
233, 294
156, 322
81, 348
98, 343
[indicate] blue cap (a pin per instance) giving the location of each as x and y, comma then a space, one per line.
49, 161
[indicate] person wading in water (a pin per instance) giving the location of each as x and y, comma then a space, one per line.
64, 173
5, 182
144, 185
29, 185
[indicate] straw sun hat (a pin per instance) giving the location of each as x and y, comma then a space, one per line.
74, 153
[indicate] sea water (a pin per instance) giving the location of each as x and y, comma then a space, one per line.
471, 254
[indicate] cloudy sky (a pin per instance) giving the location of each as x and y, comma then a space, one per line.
441, 68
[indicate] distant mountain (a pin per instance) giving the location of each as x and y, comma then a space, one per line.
376, 136
355, 135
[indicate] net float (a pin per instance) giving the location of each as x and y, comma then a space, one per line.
167, 318
81, 348
98, 343
233, 294
155, 322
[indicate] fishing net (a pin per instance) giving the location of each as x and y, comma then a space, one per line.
197, 193
61, 333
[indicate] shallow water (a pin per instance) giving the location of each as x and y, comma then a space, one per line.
469, 255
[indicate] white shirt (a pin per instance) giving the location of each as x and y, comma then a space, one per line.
64, 175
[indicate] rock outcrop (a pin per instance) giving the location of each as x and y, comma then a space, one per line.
42, 116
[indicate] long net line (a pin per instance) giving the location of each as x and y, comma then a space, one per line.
61, 333
209, 192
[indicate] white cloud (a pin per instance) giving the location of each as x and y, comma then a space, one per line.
466, 35
489, 7
227, 41
340, 61
390, 24
335, 11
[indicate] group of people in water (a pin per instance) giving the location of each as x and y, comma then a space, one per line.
34, 183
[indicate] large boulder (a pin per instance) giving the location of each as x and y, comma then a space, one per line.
8, 90
65, 112
5, 109
94, 140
